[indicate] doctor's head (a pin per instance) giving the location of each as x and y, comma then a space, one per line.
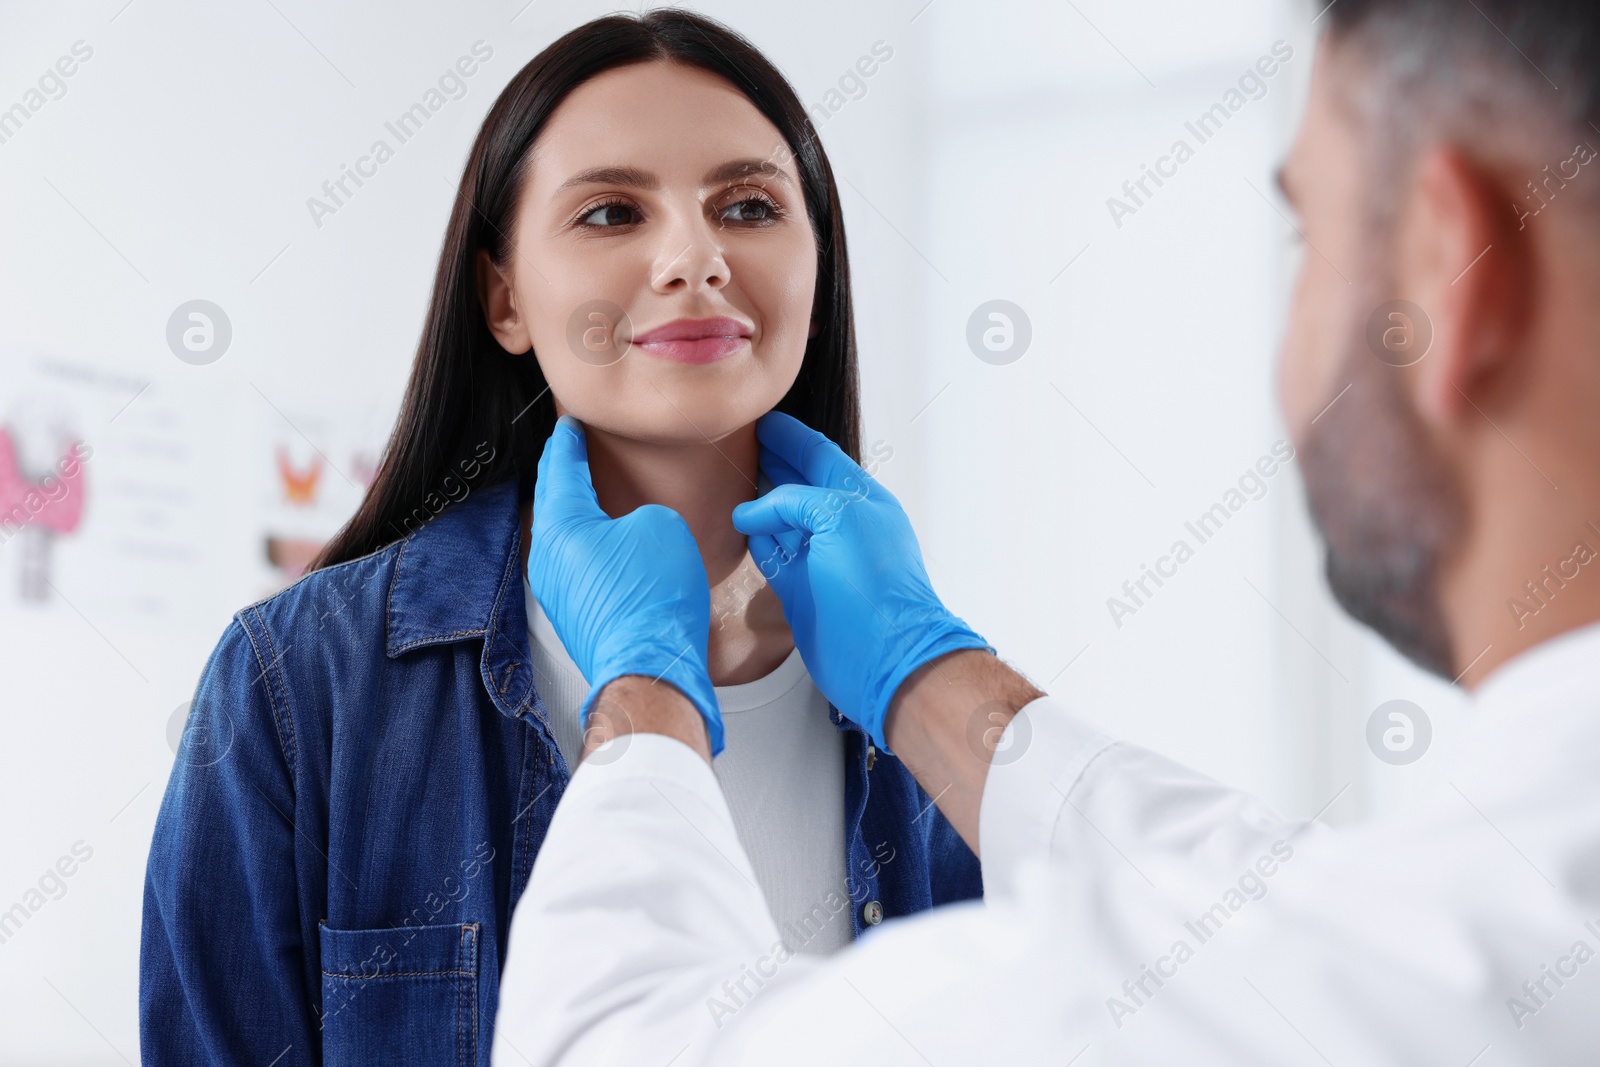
647, 235
1438, 370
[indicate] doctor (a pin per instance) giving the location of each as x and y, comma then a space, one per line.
1135, 911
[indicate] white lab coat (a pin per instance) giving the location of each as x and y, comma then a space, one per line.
1136, 912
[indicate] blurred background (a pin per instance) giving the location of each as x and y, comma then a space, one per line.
1060, 373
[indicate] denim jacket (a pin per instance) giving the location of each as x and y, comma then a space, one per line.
365, 779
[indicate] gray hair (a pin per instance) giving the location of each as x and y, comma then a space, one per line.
1513, 81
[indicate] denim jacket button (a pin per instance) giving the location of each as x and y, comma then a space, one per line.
872, 756
872, 912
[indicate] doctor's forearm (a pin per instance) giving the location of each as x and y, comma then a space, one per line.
944, 722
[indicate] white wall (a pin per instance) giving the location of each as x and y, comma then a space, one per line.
976, 166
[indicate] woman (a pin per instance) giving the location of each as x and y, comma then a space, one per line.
647, 235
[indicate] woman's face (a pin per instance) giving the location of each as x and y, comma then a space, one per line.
659, 197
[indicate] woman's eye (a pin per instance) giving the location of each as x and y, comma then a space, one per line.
751, 209
609, 215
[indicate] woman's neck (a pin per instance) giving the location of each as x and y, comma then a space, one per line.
703, 483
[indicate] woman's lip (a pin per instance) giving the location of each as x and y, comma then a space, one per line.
696, 350
694, 330
695, 340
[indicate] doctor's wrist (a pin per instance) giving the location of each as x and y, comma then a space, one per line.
635, 703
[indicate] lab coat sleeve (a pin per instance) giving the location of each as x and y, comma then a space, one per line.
642, 932
1061, 790
643, 936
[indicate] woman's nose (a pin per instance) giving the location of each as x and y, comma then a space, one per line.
690, 258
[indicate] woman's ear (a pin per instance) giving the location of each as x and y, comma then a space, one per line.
498, 298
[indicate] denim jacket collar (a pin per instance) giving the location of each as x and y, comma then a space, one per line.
456, 579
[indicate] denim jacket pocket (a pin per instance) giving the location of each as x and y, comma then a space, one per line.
403, 995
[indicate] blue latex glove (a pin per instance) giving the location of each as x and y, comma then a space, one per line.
626, 596
839, 551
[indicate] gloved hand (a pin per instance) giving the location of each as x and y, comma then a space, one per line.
626, 596
839, 551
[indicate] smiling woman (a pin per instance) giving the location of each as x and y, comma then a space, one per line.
625, 246
701, 251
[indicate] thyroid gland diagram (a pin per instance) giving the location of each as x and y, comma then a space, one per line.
54, 502
39, 510
299, 486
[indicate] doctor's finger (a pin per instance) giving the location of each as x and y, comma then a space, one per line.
801, 508
817, 459
778, 470
772, 556
564, 485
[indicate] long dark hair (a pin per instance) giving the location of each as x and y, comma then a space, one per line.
474, 415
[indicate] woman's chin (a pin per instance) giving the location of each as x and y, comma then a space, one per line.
671, 425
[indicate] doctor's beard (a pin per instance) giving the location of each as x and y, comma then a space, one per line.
1388, 507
